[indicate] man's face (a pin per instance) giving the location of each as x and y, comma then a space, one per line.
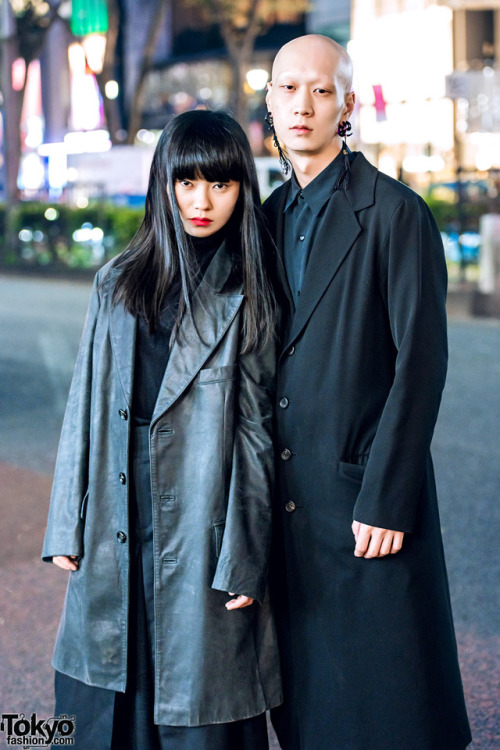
307, 98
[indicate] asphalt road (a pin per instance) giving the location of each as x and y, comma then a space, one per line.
40, 324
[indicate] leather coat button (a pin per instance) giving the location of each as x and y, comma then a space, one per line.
290, 506
291, 351
284, 402
286, 454
121, 536
122, 478
123, 414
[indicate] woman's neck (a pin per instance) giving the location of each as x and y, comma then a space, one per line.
203, 245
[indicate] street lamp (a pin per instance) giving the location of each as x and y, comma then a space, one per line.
257, 79
89, 19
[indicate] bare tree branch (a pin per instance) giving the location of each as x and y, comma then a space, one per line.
155, 28
240, 24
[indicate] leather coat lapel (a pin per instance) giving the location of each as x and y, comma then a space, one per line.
212, 313
338, 233
122, 329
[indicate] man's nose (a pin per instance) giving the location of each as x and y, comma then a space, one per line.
303, 102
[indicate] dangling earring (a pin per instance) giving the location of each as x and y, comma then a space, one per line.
344, 130
284, 163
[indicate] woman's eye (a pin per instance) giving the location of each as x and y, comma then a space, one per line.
184, 183
220, 185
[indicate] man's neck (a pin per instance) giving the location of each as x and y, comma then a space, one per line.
307, 166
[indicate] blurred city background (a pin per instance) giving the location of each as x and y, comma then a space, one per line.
85, 89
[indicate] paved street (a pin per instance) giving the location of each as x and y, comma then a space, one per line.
40, 324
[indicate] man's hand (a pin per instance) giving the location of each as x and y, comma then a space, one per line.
239, 602
374, 542
66, 563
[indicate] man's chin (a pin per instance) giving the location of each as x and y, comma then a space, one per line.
300, 148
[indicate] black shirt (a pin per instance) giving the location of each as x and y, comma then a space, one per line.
304, 211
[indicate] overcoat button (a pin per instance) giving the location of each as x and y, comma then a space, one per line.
284, 402
121, 536
286, 454
123, 414
291, 351
290, 506
122, 478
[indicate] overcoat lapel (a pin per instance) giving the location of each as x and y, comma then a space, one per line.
338, 233
122, 331
212, 313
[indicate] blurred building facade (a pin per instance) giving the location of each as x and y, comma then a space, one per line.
189, 68
427, 78
331, 19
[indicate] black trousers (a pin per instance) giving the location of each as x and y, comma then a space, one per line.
108, 720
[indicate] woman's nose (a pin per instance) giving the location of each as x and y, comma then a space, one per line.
202, 198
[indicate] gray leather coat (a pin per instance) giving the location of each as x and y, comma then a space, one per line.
211, 474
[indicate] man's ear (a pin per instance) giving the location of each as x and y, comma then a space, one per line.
268, 95
350, 101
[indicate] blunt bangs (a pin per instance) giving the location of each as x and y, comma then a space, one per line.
207, 145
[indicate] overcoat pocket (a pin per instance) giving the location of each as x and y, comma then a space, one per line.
83, 505
218, 374
218, 528
353, 471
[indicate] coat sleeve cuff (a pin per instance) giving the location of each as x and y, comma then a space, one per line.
225, 580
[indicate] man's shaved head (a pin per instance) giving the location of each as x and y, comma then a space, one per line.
309, 96
301, 48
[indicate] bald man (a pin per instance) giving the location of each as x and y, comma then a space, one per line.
367, 639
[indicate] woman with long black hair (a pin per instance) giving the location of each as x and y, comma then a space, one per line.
161, 504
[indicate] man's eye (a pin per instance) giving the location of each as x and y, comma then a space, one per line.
322, 91
288, 87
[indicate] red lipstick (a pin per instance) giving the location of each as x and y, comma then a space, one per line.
198, 221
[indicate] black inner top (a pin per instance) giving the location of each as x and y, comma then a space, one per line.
304, 213
152, 350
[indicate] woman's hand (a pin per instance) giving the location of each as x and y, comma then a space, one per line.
239, 602
66, 563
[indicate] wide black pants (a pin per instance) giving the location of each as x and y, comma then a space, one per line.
108, 720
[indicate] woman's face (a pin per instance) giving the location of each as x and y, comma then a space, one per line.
205, 207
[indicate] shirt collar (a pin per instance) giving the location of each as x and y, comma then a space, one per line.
320, 189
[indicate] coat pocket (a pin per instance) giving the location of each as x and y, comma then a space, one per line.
353, 471
218, 530
218, 374
83, 505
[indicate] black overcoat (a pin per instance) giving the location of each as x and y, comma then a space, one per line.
369, 651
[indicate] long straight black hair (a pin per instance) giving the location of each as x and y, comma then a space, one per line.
206, 145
